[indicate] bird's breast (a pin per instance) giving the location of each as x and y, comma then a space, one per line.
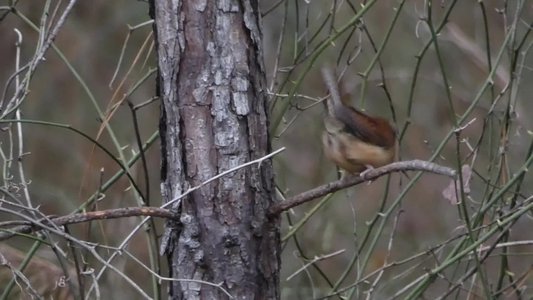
354, 155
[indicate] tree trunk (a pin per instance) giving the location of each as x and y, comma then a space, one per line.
214, 117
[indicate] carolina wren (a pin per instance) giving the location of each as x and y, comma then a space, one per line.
353, 140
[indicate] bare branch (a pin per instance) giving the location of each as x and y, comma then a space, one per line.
90, 216
369, 175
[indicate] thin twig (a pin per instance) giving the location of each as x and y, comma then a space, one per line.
257, 161
314, 260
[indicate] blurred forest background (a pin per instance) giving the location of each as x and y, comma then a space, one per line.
371, 240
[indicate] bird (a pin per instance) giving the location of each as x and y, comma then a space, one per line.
353, 140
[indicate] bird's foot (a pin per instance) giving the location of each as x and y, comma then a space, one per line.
365, 173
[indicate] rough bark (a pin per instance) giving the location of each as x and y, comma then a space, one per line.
214, 117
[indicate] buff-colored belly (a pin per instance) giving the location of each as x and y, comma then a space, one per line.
354, 155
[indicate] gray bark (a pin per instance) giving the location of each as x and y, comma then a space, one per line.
214, 117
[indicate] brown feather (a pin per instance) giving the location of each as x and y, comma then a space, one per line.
373, 130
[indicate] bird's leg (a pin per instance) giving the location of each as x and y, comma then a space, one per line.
344, 175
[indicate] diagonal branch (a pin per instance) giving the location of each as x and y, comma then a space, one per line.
412, 165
